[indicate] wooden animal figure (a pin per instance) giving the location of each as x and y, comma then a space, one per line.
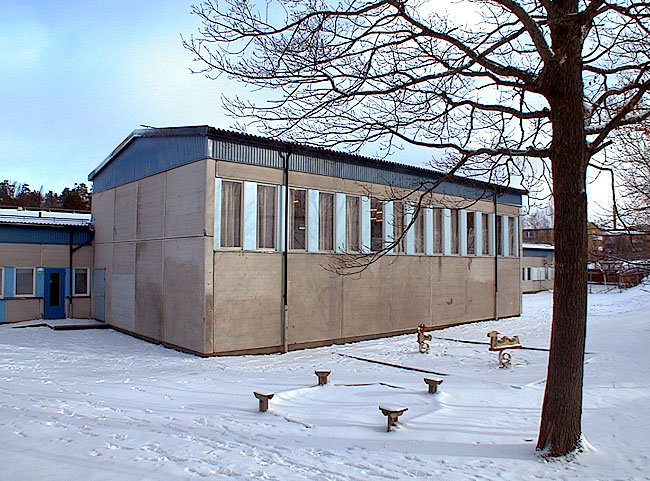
500, 345
504, 342
422, 338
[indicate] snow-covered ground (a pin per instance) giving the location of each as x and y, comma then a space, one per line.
98, 404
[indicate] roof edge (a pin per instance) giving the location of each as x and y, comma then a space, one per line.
206, 131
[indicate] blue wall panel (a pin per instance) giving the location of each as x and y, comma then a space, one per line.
9, 281
146, 156
40, 284
3, 314
19, 234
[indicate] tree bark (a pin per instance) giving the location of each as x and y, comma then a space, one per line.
560, 428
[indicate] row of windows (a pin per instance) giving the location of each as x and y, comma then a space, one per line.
24, 282
537, 274
328, 222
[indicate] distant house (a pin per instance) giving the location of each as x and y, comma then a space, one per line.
618, 244
45, 265
538, 236
537, 267
218, 243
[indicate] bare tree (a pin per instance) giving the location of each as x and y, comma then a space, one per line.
529, 87
539, 216
632, 157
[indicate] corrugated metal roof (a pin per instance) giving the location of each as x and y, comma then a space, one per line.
149, 151
24, 217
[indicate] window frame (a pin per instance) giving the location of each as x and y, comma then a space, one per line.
499, 240
74, 282
454, 231
380, 203
291, 219
332, 195
399, 227
470, 234
419, 236
33, 269
512, 237
348, 226
485, 234
241, 216
437, 229
259, 224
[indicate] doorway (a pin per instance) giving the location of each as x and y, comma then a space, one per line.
54, 294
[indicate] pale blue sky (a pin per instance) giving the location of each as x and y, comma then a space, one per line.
78, 76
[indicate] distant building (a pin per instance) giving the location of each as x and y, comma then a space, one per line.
202, 234
537, 266
618, 244
538, 236
45, 265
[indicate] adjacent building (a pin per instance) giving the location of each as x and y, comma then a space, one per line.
45, 265
537, 267
222, 243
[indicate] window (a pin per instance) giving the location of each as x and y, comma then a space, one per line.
298, 219
398, 226
512, 237
437, 231
549, 273
454, 231
325, 221
376, 222
24, 282
231, 214
353, 239
2, 284
499, 235
81, 282
265, 217
471, 250
486, 236
418, 230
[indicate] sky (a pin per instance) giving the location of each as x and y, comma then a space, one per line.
77, 77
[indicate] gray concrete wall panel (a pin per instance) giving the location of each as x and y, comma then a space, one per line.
184, 293
393, 295
122, 301
23, 309
20, 255
185, 201
247, 300
151, 207
103, 206
149, 288
125, 214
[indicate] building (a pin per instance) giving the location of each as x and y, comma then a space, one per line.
191, 234
45, 265
618, 244
538, 236
537, 267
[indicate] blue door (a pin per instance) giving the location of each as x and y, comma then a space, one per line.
54, 294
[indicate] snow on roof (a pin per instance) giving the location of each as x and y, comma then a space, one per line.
39, 217
545, 247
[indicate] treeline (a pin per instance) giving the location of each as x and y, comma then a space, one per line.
15, 194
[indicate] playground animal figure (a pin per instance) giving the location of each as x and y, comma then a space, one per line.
501, 344
422, 338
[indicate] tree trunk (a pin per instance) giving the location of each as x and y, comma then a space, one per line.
560, 427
